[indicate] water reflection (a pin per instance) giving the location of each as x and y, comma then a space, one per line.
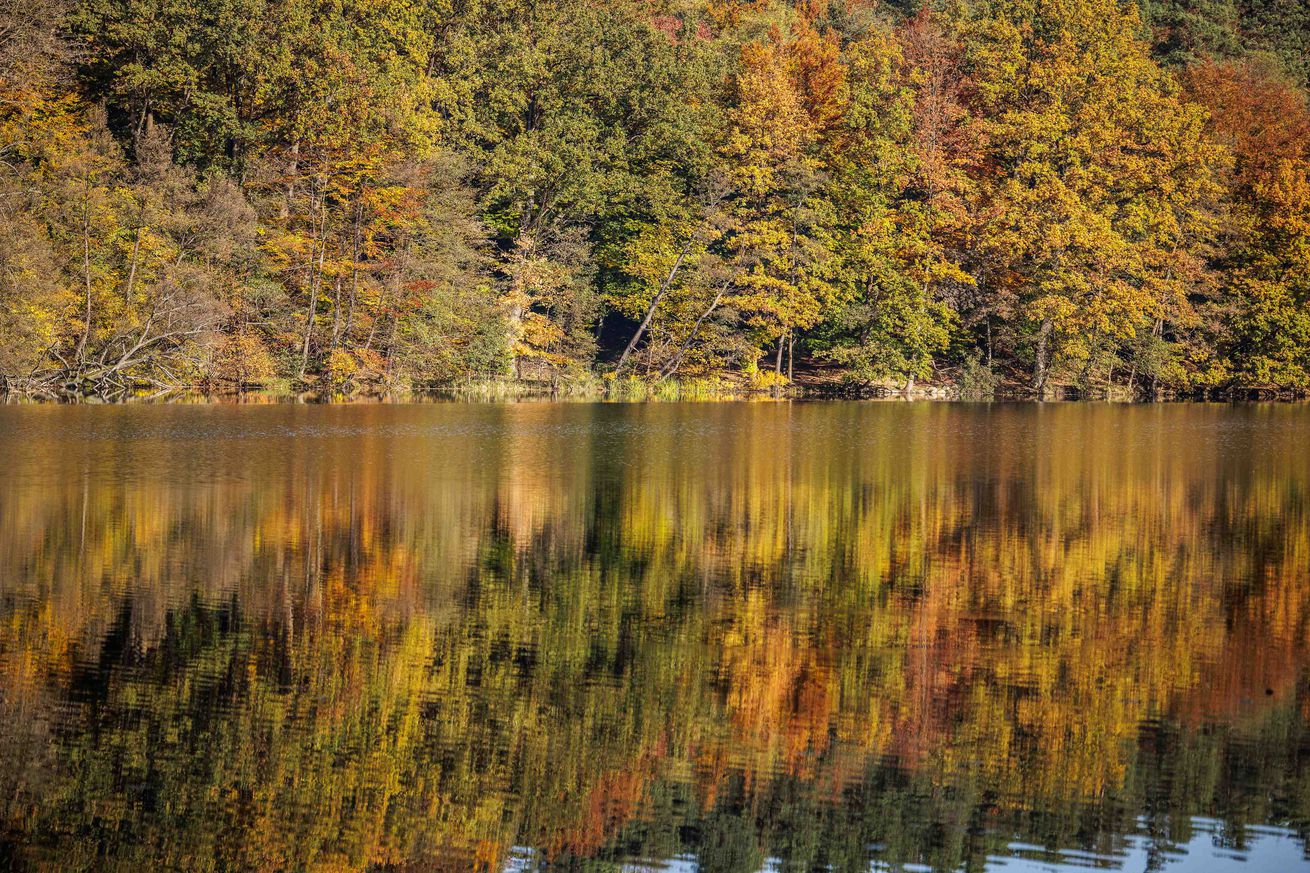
716, 637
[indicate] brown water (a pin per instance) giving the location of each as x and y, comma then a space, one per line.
723, 637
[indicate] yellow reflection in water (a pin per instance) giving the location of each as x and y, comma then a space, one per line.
335, 637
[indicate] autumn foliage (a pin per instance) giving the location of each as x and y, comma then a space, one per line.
388, 195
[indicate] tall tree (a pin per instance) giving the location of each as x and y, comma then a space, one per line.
1100, 186
1264, 120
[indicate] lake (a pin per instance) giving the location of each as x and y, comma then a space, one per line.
719, 637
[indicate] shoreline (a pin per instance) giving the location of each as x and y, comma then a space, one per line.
513, 392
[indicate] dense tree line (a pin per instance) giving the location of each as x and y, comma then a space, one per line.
338, 195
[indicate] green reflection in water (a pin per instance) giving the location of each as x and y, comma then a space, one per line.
569, 636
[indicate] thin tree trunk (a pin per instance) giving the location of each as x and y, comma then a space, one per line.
336, 314
292, 168
791, 355
1155, 377
673, 365
650, 310
1085, 376
707, 211
354, 275
136, 251
373, 328
86, 271
314, 274
391, 346
144, 123
524, 245
372, 332
309, 330
1040, 365
653, 354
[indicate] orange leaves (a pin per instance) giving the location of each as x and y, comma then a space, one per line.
791, 92
1259, 115
1265, 121
820, 76
947, 140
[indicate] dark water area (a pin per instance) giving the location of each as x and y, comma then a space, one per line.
718, 637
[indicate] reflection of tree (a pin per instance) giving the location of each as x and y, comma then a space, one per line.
390, 652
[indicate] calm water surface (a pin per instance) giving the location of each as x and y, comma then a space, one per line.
721, 637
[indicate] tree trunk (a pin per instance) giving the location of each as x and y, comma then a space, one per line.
293, 167
309, 330
145, 122
336, 315
314, 273
695, 329
650, 310
1155, 377
136, 252
382, 310
86, 271
391, 347
1043, 352
354, 276
706, 213
1085, 376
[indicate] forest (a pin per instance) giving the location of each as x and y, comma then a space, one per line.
1046, 197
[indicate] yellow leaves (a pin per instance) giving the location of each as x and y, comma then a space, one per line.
537, 281
1056, 307
769, 125
1103, 205
339, 369
50, 128
34, 297
939, 271
792, 93
653, 254
765, 380
540, 340
288, 249
1287, 193
243, 359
